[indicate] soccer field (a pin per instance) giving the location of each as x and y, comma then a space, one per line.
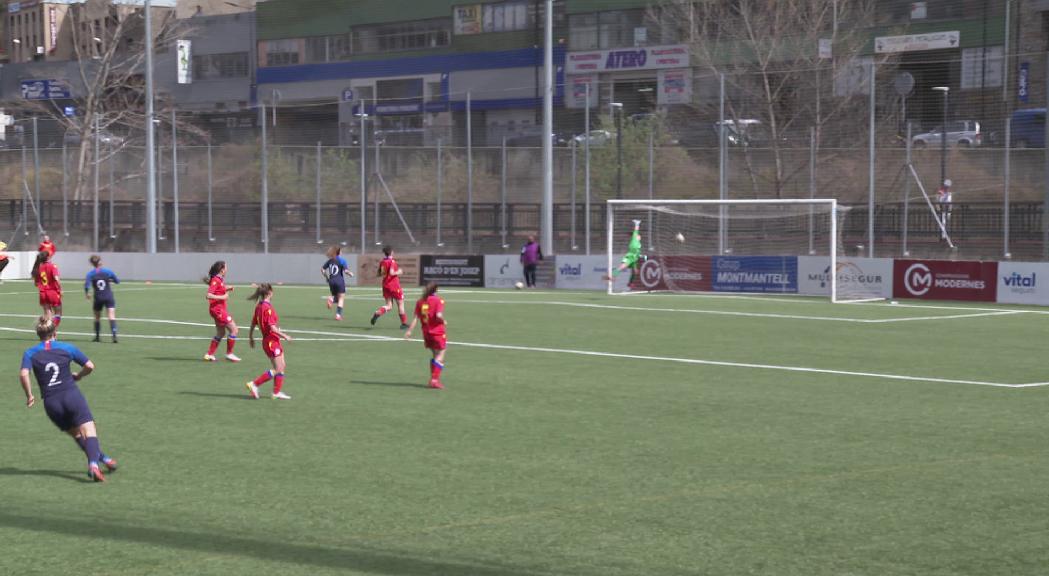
579, 434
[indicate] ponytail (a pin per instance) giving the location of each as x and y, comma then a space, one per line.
261, 291
430, 290
214, 271
333, 251
95, 260
41, 257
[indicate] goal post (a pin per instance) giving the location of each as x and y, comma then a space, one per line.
726, 246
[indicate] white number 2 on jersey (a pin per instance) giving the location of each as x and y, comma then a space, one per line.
54, 375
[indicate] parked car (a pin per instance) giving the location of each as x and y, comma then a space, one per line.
536, 140
1028, 128
597, 138
105, 137
964, 133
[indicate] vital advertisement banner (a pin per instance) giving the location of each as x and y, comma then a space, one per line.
945, 280
452, 270
761, 274
1023, 283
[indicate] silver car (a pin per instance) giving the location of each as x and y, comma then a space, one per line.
964, 133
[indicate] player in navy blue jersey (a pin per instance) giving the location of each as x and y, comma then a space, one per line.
102, 280
335, 271
50, 361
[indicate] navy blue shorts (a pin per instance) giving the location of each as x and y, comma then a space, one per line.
68, 409
100, 304
337, 288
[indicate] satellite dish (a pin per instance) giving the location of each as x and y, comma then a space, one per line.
904, 83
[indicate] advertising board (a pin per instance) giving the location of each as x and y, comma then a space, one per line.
452, 270
869, 276
945, 280
762, 274
1023, 283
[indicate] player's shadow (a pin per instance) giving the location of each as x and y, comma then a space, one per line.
354, 556
63, 474
391, 384
184, 359
215, 395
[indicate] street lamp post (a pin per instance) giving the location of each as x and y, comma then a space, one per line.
943, 133
618, 107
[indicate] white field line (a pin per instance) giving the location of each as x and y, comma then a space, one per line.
975, 314
337, 337
349, 338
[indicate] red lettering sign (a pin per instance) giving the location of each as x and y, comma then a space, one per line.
687, 273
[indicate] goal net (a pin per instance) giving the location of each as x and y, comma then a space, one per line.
749, 246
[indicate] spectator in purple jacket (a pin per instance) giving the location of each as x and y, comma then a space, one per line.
531, 254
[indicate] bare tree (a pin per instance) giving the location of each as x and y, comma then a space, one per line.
108, 46
768, 53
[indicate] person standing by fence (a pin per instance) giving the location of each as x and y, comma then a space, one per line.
531, 254
945, 197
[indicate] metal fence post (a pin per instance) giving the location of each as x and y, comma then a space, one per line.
211, 185
586, 168
722, 168
25, 190
575, 246
265, 181
36, 166
160, 186
651, 178
812, 189
174, 174
870, 191
1045, 175
364, 177
469, 178
318, 185
1005, 191
94, 200
65, 188
440, 189
112, 194
375, 170
502, 194
907, 193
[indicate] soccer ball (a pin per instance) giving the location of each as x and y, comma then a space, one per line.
680, 237
519, 285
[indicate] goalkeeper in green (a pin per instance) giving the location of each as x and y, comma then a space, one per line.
633, 258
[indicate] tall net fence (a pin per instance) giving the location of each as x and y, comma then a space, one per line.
459, 174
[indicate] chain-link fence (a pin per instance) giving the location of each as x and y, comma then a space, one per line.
452, 175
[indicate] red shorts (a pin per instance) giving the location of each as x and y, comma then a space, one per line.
395, 294
50, 298
221, 317
271, 346
435, 341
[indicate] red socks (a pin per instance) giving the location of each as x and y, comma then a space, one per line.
264, 377
231, 341
213, 346
278, 382
380, 311
404, 318
435, 369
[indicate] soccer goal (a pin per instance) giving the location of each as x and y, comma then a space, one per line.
747, 246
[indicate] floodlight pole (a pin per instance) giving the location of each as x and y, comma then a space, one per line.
151, 169
547, 220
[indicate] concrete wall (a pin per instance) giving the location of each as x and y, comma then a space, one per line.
188, 267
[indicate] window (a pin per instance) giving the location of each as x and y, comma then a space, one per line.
329, 48
282, 52
621, 29
505, 17
582, 32
406, 36
216, 66
434, 92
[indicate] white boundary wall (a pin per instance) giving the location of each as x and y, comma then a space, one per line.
188, 266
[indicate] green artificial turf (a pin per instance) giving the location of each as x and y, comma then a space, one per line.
536, 459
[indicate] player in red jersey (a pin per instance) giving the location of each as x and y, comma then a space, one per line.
218, 294
45, 276
429, 310
390, 273
265, 318
46, 245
